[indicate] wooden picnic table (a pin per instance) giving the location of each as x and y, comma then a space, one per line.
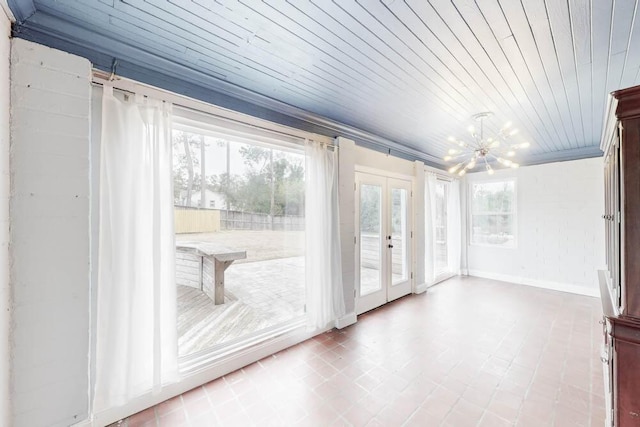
215, 259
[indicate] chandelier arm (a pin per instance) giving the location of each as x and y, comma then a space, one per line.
492, 155
476, 146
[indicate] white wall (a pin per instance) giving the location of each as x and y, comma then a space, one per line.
5, 290
560, 241
346, 180
50, 130
374, 159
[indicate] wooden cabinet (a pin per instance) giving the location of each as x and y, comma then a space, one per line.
620, 282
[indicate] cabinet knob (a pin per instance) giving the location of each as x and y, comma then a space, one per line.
604, 360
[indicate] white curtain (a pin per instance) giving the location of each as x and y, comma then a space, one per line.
136, 342
454, 228
430, 228
325, 302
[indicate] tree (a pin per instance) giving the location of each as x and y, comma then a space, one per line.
184, 143
186, 180
272, 181
272, 184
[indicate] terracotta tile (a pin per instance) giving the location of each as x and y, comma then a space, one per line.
206, 419
477, 396
368, 382
290, 414
439, 404
195, 408
389, 416
193, 395
422, 417
218, 392
506, 405
227, 410
358, 415
533, 365
568, 417
169, 406
340, 404
458, 418
260, 410
175, 418
320, 415
142, 418
373, 403
492, 420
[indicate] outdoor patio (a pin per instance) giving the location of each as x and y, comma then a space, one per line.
261, 291
264, 290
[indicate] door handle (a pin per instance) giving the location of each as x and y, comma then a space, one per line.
391, 246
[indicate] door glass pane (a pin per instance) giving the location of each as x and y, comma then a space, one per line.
441, 262
370, 238
399, 262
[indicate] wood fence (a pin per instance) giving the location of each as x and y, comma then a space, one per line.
236, 220
190, 220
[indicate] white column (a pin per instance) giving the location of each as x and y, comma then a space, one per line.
419, 285
5, 284
50, 243
346, 177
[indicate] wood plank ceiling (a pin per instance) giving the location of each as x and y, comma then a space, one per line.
410, 71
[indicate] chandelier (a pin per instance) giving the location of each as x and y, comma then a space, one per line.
481, 150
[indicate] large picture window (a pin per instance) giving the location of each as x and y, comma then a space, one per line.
493, 213
241, 196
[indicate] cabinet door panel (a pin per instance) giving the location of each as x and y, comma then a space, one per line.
630, 191
628, 384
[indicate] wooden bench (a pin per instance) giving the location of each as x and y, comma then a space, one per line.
213, 260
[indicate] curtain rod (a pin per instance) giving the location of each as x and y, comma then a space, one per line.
125, 85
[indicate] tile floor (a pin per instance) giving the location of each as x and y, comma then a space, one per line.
470, 352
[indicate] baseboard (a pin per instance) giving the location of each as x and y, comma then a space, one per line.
422, 287
544, 284
346, 320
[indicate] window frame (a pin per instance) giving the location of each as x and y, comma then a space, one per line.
513, 213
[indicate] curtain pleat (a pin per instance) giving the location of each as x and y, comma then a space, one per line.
325, 302
454, 228
430, 228
136, 342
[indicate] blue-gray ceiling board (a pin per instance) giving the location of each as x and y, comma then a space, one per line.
399, 74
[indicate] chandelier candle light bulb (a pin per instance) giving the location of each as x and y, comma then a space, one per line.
488, 150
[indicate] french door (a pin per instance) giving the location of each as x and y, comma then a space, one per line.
383, 244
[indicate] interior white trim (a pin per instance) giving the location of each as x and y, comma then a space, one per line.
544, 284
346, 320
420, 288
383, 173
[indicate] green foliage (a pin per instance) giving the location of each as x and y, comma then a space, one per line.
493, 197
272, 181
270, 175
184, 164
370, 208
